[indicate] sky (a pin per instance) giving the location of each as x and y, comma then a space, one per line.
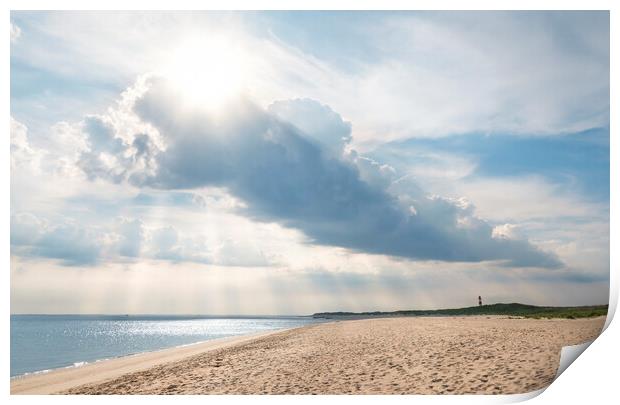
301, 162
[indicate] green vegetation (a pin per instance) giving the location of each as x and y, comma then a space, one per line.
514, 309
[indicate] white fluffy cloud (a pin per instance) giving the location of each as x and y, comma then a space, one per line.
507, 231
16, 32
22, 153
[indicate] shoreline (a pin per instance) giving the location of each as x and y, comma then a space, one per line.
84, 363
59, 379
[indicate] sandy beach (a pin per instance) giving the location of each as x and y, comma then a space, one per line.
66, 378
430, 355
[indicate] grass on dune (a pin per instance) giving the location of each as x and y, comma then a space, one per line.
513, 309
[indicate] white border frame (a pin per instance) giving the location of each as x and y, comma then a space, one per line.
593, 376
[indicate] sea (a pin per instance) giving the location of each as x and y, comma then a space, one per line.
40, 343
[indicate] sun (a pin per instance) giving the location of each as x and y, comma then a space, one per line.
208, 72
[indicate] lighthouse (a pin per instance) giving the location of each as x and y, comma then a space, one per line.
479, 301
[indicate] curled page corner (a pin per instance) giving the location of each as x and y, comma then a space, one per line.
569, 354
515, 398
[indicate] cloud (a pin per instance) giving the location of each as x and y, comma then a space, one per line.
578, 161
178, 199
22, 153
263, 202
165, 243
26, 228
88, 245
131, 234
429, 74
16, 32
284, 175
56, 155
318, 121
506, 231
515, 72
239, 253
72, 244
110, 157
527, 198
372, 172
